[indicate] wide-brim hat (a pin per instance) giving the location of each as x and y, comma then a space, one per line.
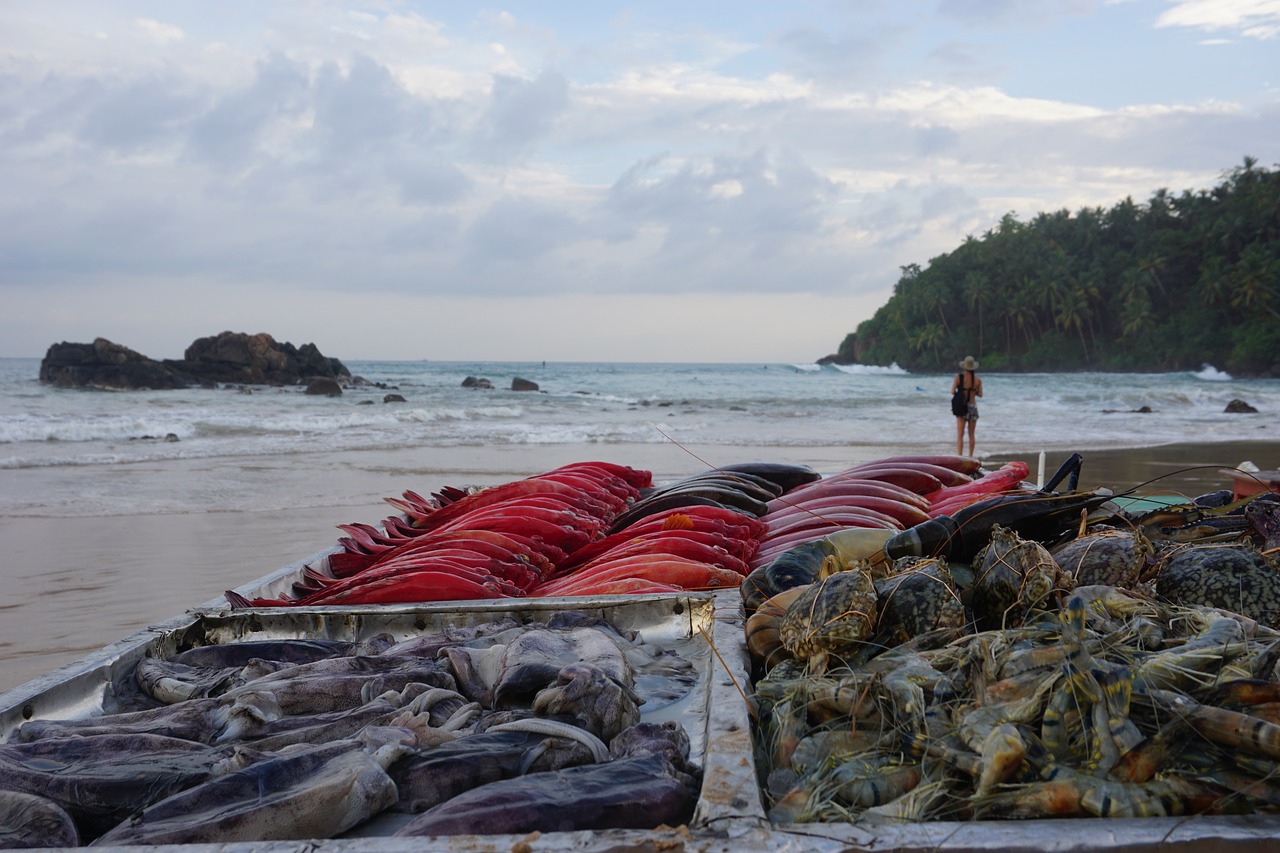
969, 363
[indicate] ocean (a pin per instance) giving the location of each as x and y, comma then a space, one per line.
107, 527
81, 445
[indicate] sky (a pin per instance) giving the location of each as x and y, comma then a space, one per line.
592, 181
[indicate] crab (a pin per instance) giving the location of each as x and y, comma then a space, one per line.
1111, 557
1236, 578
832, 616
919, 595
1013, 577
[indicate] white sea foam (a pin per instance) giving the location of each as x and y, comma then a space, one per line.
1212, 374
95, 434
871, 369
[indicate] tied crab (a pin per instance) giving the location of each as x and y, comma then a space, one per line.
831, 616
850, 614
918, 596
1110, 557
1236, 578
1013, 578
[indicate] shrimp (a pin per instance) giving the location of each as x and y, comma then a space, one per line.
921, 803
1222, 726
1002, 755
859, 782
1070, 793
904, 685
977, 723
1198, 661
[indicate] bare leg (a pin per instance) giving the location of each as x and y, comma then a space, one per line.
973, 426
959, 436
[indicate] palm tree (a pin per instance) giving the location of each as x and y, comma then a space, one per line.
929, 337
979, 295
1253, 280
1072, 312
1135, 316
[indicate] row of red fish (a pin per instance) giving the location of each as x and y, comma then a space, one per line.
894, 493
553, 534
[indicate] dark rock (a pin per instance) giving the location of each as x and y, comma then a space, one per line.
473, 382
518, 384
393, 398
258, 360
1237, 407
324, 387
230, 357
107, 366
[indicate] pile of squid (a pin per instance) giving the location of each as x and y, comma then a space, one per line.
486, 729
1030, 655
598, 528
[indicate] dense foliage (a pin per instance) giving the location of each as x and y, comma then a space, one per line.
1170, 285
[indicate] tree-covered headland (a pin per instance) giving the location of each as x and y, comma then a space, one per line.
1172, 284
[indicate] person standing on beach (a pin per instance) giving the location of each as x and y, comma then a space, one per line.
971, 383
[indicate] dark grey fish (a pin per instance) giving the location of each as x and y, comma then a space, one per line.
430, 644
28, 821
428, 777
169, 682
308, 792
294, 651
534, 659
590, 699
195, 720
748, 484
640, 789
785, 475
475, 671
101, 780
274, 735
427, 707
336, 684
728, 494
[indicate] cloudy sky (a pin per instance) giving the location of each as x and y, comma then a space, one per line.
656, 181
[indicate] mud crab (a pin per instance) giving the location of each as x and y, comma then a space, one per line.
918, 596
1013, 577
1236, 578
1111, 557
833, 615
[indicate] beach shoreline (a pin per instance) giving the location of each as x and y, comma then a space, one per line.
78, 583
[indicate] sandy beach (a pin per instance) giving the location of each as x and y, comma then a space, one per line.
73, 585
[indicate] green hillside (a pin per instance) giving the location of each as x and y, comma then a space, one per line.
1171, 284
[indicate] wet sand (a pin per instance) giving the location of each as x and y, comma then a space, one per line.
1175, 469
74, 585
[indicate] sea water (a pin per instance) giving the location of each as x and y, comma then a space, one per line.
89, 435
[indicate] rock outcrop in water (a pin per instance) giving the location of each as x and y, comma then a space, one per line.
234, 357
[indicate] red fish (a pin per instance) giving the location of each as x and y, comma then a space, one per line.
690, 574
402, 589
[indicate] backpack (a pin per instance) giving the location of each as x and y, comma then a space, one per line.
959, 403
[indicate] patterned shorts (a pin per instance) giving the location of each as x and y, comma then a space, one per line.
972, 414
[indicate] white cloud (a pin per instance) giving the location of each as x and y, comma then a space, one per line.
390, 155
158, 32
1258, 19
